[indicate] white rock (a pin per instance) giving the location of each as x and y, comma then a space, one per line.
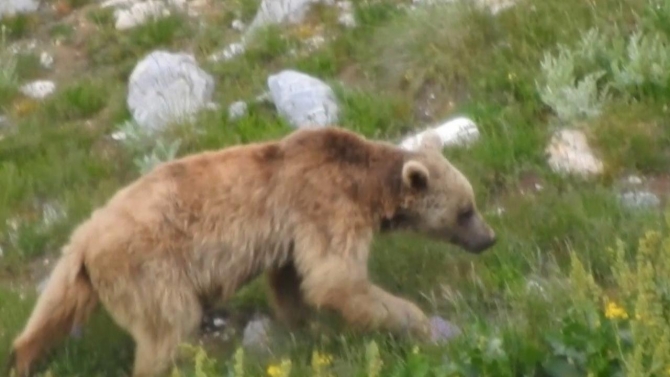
10, 8
346, 17
231, 51
119, 135
494, 6
167, 87
139, 13
4, 121
23, 47
219, 322
282, 11
256, 333
315, 42
213, 106
569, 152
303, 100
237, 110
639, 199
442, 330
53, 213
460, 131
38, 89
42, 284
118, 3
46, 60
271, 12
633, 180
265, 97
238, 25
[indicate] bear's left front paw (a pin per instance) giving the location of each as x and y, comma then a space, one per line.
410, 318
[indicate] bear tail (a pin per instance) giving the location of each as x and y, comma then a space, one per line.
65, 304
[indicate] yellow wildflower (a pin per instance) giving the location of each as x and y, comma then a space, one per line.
319, 359
280, 370
273, 370
24, 106
614, 311
319, 362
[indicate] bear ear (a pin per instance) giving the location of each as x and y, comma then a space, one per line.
431, 141
415, 175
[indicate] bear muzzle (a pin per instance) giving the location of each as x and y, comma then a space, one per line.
476, 237
481, 244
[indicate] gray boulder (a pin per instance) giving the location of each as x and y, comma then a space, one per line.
303, 100
10, 8
167, 88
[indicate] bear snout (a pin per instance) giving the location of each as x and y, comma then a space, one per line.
482, 244
479, 238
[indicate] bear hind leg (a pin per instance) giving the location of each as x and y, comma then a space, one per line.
285, 295
153, 353
164, 315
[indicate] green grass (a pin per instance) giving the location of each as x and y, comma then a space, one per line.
527, 307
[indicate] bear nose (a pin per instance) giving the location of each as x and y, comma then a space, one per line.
484, 244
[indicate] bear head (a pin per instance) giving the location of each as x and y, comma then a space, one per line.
439, 201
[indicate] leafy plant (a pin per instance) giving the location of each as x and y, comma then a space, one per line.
571, 99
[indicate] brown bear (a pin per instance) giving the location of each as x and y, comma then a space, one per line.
303, 208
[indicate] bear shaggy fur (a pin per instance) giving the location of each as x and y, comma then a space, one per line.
303, 209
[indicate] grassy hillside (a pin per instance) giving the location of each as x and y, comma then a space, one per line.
577, 283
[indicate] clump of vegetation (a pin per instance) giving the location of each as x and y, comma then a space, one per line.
8, 66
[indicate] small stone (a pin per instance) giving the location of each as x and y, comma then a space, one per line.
460, 131
4, 121
315, 42
238, 25
264, 98
256, 333
38, 89
42, 284
119, 135
442, 330
569, 152
237, 110
46, 60
213, 106
346, 17
231, 51
633, 180
639, 200
219, 322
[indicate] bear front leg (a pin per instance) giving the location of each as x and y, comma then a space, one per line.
285, 295
339, 283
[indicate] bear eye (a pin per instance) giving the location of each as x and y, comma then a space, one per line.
465, 215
